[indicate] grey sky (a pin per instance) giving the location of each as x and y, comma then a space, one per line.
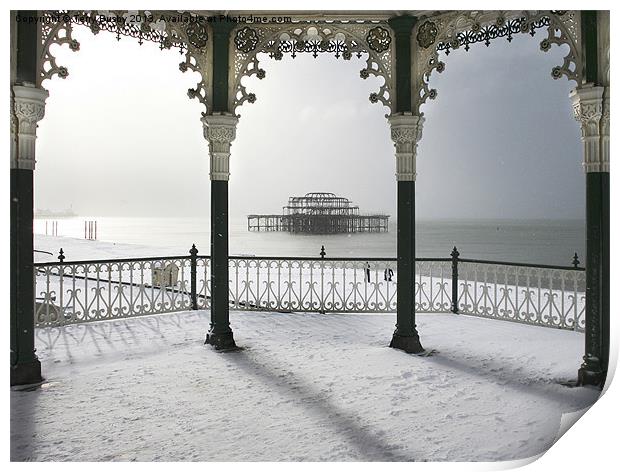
120, 136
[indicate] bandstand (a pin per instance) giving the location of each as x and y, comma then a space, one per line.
403, 48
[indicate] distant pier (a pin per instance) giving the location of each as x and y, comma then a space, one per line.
320, 213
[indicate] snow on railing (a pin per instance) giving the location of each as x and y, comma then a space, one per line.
84, 291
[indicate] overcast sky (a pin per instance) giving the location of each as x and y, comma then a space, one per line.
121, 137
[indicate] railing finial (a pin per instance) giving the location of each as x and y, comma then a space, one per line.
193, 251
455, 252
322, 253
575, 261
61, 256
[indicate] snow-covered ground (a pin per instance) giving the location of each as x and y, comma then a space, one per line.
305, 387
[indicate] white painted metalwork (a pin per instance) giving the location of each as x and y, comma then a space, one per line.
591, 110
455, 29
540, 296
220, 130
68, 293
371, 39
28, 108
406, 132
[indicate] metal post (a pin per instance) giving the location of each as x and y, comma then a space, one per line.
455, 279
591, 108
576, 261
219, 129
192, 267
405, 132
27, 108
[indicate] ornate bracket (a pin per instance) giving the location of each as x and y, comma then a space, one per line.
220, 131
28, 109
169, 29
338, 38
462, 28
57, 29
591, 110
406, 132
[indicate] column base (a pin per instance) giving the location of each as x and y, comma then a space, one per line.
26, 374
222, 342
409, 344
591, 373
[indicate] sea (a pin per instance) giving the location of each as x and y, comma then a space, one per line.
552, 242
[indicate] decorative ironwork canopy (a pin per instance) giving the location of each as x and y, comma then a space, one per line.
344, 34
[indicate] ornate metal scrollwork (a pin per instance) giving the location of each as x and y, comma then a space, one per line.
55, 30
197, 35
378, 39
183, 31
500, 29
246, 39
427, 34
135, 24
462, 29
343, 39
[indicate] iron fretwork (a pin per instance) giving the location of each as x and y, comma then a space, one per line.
502, 28
342, 39
378, 39
246, 39
78, 292
313, 46
427, 34
142, 25
184, 31
453, 30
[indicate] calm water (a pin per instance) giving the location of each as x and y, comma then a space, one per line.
535, 241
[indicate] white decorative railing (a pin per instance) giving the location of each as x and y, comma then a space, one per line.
538, 295
77, 292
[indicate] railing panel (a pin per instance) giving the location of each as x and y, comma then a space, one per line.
203, 282
319, 285
68, 293
534, 295
101, 290
433, 286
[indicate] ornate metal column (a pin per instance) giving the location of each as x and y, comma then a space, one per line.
406, 131
591, 109
219, 129
27, 109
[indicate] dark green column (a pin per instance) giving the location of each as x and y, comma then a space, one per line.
220, 334
405, 336
593, 371
25, 367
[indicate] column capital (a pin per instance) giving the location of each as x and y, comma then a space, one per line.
220, 130
28, 109
591, 110
406, 131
